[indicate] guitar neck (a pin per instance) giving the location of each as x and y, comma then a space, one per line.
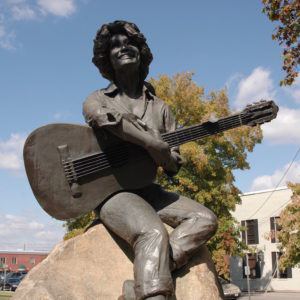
196, 132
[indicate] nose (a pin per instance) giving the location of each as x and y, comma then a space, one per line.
124, 47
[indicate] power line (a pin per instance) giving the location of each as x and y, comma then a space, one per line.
277, 185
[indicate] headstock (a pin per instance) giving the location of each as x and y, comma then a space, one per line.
259, 112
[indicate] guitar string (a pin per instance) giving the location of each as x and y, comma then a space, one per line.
98, 167
188, 134
104, 159
95, 170
69, 166
224, 120
81, 173
91, 171
100, 156
122, 156
221, 127
166, 137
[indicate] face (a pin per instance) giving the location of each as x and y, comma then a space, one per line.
123, 53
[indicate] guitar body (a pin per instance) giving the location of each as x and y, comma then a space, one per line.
46, 173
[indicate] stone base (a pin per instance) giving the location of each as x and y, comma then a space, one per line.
93, 266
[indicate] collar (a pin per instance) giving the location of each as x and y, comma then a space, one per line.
112, 90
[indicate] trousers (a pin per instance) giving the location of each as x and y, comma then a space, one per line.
137, 217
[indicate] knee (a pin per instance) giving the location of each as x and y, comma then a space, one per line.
213, 223
209, 222
154, 236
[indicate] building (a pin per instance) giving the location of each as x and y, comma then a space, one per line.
259, 212
20, 260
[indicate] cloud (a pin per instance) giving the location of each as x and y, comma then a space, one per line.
294, 90
13, 11
271, 181
258, 85
6, 37
285, 129
23, 12
17, 231
62, 8
11, 153
233, 80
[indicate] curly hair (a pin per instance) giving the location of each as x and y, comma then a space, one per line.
102, 47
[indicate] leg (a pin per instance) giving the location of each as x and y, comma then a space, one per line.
134, 220
194, 223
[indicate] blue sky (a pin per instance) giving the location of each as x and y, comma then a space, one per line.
46, 73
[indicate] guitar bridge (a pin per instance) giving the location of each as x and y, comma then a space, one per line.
69, 170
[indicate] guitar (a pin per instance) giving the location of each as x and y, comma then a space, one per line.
73, 168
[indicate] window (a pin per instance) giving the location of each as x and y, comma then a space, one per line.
275, 228
287, 273
14, 260
252, 232
32, 260
254, 265
2, 260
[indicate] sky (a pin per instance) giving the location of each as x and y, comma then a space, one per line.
46, 73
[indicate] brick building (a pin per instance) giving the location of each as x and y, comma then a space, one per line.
20, 260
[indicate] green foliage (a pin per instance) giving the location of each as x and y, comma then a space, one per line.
207, 173
289, 235
76, 226
287, 12
74, 232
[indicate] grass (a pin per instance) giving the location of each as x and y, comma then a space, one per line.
4, 295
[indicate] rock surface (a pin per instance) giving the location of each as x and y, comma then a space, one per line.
93, 266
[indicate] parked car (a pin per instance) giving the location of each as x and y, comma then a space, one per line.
3, 278
4, 274
18, 274
12, 280
230, 290
12, 283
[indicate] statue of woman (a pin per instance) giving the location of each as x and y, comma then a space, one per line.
129, 109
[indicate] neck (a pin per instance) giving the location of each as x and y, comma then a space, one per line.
128, 81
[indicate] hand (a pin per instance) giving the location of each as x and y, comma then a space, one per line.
159, 151
174, 164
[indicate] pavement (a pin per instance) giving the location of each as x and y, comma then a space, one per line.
272, 296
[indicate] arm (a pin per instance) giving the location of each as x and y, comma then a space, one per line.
98, 115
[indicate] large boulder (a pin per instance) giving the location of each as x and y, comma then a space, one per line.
95, 264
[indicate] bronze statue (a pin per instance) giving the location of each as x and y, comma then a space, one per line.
111, 165
129, 109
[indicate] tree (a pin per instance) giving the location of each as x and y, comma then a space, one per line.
289, 235
287, 33
207, 175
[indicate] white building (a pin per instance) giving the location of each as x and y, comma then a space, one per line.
259, 211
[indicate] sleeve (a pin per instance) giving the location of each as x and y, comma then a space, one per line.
97, 113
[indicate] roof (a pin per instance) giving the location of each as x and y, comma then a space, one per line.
24, 252
265, 191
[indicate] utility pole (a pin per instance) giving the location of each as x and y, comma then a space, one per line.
247, 269
276, 241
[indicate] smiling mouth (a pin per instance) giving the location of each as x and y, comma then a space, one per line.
125, 56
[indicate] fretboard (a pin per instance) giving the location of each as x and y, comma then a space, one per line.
196, 132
